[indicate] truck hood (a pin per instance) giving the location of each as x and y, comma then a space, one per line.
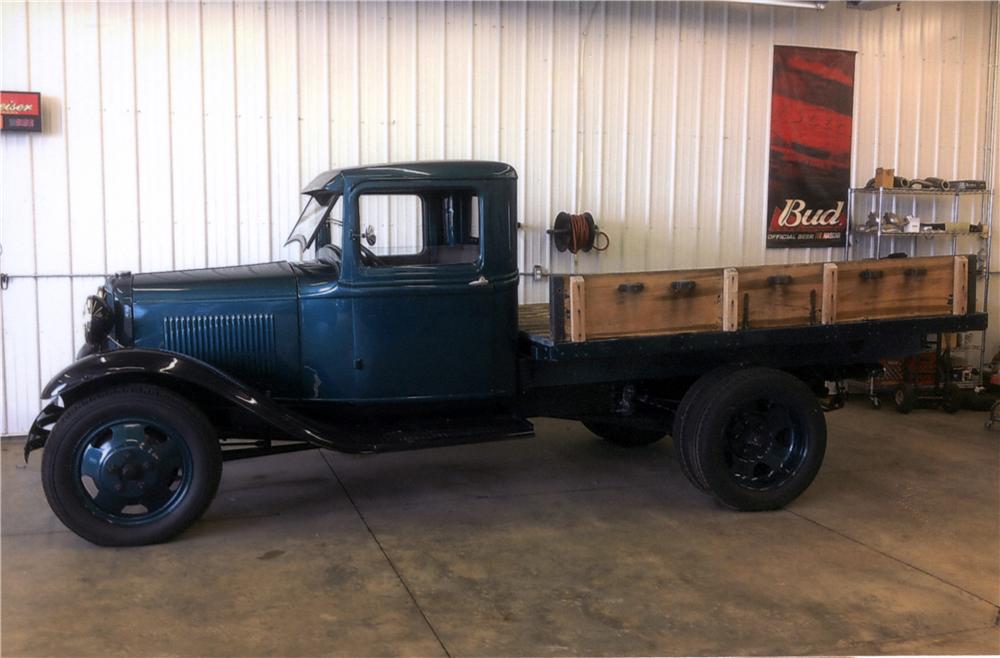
242, 282
241, 320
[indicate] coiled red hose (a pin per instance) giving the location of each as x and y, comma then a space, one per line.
580, 236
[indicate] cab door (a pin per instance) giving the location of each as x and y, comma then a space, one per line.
431, 321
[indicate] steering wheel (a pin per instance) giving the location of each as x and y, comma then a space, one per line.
330, 254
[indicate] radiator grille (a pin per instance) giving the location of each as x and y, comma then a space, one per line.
241, 344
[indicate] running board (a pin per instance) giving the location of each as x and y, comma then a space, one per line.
434, 433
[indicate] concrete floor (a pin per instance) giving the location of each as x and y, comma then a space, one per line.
557, 545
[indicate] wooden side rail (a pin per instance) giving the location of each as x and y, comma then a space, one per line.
595, 306
781, 295
897, 288
592, 306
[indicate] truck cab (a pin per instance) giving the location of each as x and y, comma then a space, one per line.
412, 293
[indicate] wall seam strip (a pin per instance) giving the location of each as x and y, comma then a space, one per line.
204, 147
170, 138
268, 135
34, 211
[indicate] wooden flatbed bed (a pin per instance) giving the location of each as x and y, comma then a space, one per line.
787, 315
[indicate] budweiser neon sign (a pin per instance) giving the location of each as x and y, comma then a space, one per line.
21, 111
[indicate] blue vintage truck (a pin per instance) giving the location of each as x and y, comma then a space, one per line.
402, 330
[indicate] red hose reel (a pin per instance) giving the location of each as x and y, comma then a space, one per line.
577, 233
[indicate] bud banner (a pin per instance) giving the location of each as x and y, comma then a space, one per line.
812, 108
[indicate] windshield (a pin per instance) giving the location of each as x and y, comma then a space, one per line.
304, 231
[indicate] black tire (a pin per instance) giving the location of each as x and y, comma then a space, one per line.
623, 434
756, 440
689, 407
905, 398
150, 449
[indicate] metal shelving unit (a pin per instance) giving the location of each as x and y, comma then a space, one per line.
967, 217
889, 199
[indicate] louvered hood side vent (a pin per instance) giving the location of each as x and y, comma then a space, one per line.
238, 344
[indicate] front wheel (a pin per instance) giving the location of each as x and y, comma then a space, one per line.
132, 465
757, 439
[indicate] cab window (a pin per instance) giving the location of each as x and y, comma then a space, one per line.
426, 228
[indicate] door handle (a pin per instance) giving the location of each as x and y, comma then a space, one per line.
481, 281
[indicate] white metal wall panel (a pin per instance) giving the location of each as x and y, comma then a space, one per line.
537, 84
55, 325
253, 145
84, 137
458, 74
121, 204
154, 129
48, 160
431, 57
19, 312
486, 88
222, 212
187, 147
178, 134
283, 128
512, 99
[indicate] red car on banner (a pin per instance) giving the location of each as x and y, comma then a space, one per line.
812, 106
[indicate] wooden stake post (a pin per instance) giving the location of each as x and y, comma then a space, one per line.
577, 309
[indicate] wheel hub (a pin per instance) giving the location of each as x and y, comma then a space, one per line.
132, 463
764, 447
756, 440
129, 471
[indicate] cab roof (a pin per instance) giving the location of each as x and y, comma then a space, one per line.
334, 180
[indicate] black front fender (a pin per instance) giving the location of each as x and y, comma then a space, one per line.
109, 368
121, 363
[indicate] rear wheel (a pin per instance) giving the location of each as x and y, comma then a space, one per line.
689, 408
132, 465
756, 439
624, 434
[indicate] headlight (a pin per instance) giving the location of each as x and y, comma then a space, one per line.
93, 301
100, 317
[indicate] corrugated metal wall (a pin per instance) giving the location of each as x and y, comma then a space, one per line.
178, 135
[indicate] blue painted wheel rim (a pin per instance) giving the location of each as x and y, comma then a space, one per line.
765, 446
133, 471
